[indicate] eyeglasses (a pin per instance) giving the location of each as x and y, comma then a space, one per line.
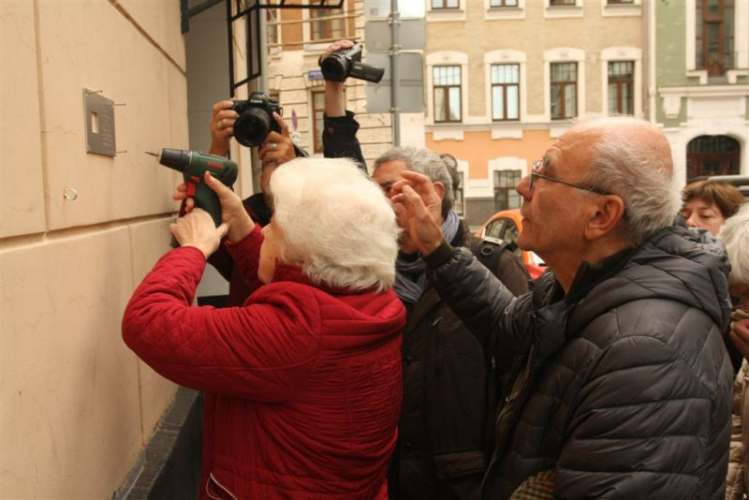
534, 174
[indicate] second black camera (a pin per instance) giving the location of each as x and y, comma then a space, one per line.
347, 63
255, 119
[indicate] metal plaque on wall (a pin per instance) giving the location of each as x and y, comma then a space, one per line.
100, 138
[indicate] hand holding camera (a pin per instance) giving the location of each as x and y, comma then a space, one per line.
346, 62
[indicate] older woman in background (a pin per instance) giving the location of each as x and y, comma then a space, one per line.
707, 204
735, 235
303, 382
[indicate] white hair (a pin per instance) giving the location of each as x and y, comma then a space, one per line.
735, 236
336, 222
638, 171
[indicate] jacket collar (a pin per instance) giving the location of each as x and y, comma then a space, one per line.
295, 274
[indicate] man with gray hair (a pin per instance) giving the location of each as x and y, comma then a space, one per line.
617, 381
450, 386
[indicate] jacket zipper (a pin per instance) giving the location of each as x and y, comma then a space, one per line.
211, 477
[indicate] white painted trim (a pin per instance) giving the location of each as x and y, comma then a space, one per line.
503, 13
706, 91
447, 58
558, 55
505, 57
741, 35
614, 54
446, 15
651, 44
621, 10
505, 163
563, 11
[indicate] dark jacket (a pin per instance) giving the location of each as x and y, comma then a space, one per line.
621, 389
449, 384
449, 397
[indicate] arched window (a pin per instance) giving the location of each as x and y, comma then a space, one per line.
712, 155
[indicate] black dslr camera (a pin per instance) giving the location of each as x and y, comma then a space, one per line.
347, 63
255, 119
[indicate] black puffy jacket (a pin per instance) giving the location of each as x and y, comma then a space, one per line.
449, 396
621, 389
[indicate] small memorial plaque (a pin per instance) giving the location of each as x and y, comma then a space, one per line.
100, 137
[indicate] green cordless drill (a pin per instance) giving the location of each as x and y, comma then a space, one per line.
193, 166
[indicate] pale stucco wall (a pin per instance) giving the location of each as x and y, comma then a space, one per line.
76, 405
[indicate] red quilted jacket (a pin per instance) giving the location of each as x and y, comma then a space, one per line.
303, 385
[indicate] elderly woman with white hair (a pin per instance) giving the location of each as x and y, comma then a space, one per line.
303, 382
735, 235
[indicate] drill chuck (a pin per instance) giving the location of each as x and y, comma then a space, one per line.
177, 159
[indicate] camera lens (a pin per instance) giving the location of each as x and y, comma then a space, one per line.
334, 68
252, 127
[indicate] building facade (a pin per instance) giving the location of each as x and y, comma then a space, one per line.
504, 78
295, 40
78, 231
699, 54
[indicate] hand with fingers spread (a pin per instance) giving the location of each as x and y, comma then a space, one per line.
197, 230
222, 127
418, 206
278, 148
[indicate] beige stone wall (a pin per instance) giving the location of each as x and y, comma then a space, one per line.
76, 406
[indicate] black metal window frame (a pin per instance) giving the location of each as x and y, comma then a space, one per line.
250, 10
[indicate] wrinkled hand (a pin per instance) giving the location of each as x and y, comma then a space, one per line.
233, 213
418, 207
740, 332
278, 148
222, 127
197, 230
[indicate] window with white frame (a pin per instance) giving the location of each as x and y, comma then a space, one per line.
559, 3
505, 196
502, 3
505, 82
621, 88
563, 90
273, 18
620, 2
446, 81
445, 4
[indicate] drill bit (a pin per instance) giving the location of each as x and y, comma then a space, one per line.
152, 154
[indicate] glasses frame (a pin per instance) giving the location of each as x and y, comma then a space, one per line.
534, 174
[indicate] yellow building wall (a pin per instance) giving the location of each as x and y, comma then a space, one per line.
478, 148
76, 405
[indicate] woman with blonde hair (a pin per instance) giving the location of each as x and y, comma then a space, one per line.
302, 382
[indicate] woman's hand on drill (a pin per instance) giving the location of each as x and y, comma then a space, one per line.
233, 212
198, 230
